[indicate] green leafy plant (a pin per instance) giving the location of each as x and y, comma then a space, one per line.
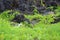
7, 16
43, 30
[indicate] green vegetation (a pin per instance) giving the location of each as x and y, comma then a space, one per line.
43, 30
39, 32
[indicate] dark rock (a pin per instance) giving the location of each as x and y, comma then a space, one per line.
7, 4
34, 21
23, 5
2, 7
20, 18
56, 20
58, 2
41, 9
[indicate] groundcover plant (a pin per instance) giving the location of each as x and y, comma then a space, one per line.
29, 20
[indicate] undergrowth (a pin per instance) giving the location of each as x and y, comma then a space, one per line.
43, 30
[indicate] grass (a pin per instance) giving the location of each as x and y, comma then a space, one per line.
39, 31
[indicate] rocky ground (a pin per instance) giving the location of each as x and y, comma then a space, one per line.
27, 7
